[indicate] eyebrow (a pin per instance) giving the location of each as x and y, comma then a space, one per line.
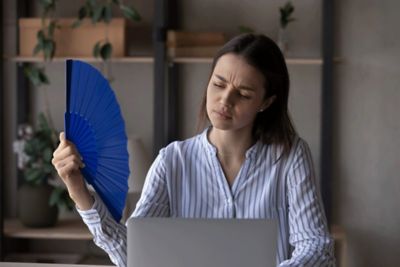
244, 87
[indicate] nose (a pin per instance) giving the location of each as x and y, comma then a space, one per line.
226, 98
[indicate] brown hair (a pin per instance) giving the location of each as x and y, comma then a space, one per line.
273, 125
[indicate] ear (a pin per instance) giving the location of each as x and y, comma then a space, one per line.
268, 102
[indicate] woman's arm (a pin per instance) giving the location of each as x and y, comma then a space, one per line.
112, 236
154, 201
107, 233
308, 229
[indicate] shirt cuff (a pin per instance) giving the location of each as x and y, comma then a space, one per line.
94, 214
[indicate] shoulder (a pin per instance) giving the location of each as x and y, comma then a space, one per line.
181, 148
300, 148
277, 153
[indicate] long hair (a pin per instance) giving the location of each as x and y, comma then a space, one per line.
273, 125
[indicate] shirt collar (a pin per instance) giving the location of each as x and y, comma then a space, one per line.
212, 150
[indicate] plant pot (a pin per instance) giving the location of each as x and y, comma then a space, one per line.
283, 40
73, 42
33, 206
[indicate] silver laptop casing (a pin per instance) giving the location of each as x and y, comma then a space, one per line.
177, 242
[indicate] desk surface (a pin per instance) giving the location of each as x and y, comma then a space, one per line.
73, 229
17, 264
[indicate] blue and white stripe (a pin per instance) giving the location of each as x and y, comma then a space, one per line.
186, 180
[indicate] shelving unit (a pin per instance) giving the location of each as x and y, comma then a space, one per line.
149, 59
166, 72
67, 229
289, 61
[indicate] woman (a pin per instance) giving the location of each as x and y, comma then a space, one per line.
249, 163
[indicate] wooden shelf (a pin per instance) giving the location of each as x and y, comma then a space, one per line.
143, 59
71, 229
289, 61
150, 59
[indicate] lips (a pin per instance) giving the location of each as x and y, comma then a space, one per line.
223, 114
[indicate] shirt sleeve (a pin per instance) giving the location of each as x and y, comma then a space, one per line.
154, 201
108, 234
308, 231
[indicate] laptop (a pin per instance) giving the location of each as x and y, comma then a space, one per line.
178, 242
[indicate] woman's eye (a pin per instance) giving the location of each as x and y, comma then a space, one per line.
246, 96
218, 85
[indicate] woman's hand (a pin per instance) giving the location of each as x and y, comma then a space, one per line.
67, 161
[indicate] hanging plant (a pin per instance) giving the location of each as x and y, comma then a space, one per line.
286, 12
101, 11
45, 44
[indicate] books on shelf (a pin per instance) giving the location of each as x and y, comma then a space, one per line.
194, 43
194, 38
193, 51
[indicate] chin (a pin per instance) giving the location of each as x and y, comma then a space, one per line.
224, 126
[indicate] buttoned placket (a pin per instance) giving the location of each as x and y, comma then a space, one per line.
228, 192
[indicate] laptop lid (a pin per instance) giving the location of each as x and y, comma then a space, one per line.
178, 242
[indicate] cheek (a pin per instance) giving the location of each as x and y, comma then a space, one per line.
208, 100
248, 112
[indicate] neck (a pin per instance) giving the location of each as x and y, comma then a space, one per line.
231, 144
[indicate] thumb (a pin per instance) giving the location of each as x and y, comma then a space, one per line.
62, 137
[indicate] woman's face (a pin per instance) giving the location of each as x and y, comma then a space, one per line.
235, 94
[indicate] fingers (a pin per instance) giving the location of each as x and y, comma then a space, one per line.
60, 155
67, 170
70, 158
67, 160
65, 148
63, 142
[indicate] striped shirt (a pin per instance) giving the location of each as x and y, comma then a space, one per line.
187, 180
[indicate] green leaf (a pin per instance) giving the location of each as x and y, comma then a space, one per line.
76, 24
130, 13
106, 51
97, 14
40, 35
49, 48
55, 196
34, 176
245, 29
60, 197
43, 78
107, 14
37, 49
96, 49
82, 13
52, 27
32, 73
42, 121
46, 2
91, 2
48, 168
47, 154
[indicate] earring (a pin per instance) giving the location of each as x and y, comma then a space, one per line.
261, 110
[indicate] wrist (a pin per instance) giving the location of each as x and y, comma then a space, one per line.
83, 199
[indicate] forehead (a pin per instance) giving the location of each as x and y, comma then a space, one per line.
235, 68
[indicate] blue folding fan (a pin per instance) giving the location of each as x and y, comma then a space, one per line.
93, 122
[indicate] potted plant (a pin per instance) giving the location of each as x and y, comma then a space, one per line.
39, 196
103, 35
286, 12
